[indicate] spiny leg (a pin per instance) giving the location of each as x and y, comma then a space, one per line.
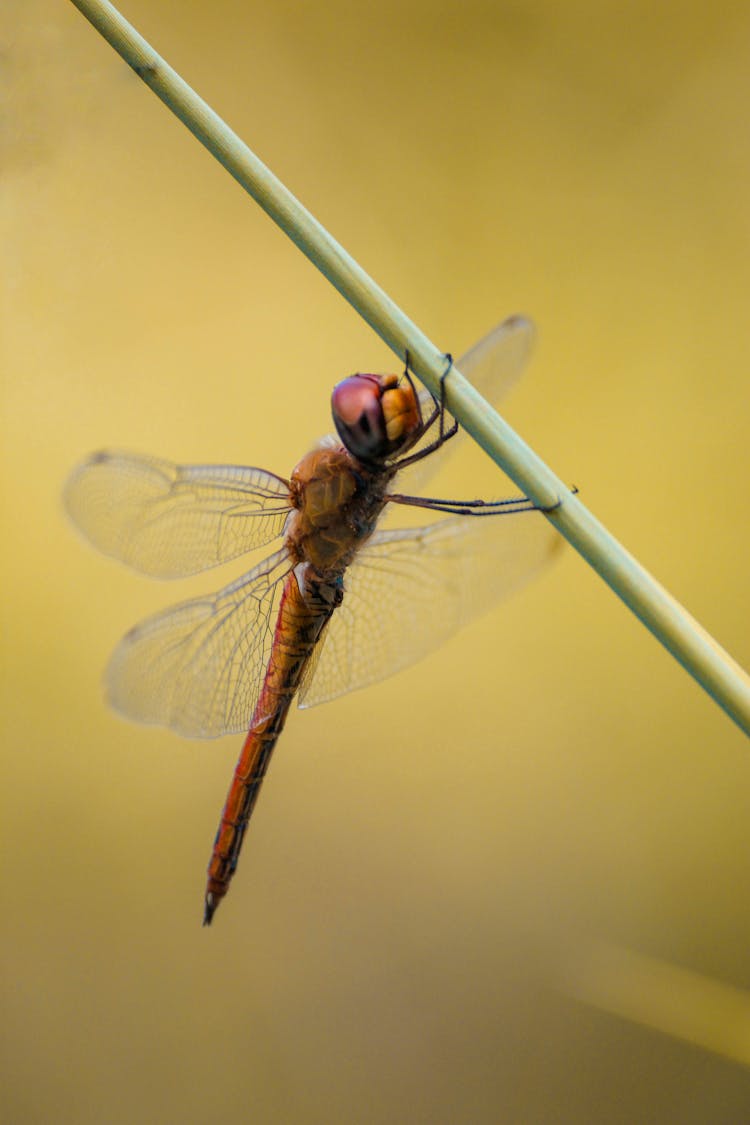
438, 414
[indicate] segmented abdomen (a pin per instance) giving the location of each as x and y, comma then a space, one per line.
300, 622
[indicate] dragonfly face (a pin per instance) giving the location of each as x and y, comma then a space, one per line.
376, 416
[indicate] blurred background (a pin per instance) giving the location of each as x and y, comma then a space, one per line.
510, 885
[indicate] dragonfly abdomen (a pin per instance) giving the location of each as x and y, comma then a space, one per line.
306, 605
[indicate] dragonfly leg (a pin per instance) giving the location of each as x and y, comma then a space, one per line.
443, 377
407, 375
438, 414
507, 507
467, 507
558, 503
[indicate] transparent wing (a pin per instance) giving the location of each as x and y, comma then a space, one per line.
198, 667
408, 591
492, 366
496, 361
171, 520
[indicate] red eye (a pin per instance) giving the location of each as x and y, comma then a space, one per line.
358, 416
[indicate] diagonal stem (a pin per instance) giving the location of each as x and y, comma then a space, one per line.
695, 649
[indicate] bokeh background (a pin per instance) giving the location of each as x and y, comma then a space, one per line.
511, 885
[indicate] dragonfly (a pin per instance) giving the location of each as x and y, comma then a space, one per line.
340, 604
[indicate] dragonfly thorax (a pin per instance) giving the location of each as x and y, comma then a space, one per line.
337, 501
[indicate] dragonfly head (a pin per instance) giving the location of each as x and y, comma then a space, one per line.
377, 416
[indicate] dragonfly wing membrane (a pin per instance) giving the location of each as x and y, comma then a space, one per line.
408, 591
171, 520
492, 366
197, 668
496, 361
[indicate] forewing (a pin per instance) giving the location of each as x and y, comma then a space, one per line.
492, 366
408, 591
171, 520
198, 667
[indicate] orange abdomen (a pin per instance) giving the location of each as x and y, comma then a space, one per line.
300, 623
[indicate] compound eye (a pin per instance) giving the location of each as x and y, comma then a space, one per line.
356, 404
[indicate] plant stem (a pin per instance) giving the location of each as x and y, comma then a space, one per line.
695, 649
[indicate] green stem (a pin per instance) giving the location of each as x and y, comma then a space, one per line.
711, 666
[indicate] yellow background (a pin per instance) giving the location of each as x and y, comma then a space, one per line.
432, 860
